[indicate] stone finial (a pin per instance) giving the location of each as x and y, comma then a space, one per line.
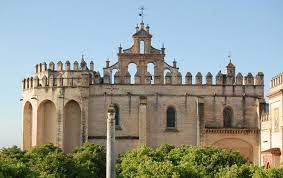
120, 49
175, 63
239, 79
147, 28
168, 78
188, 79
198, 79
249, 79
27, 83
60, 66
209, 78
91, 66
24, 84
76, 66
259, 78
51, 66
219, 78
44, 66
36, 68
68, 66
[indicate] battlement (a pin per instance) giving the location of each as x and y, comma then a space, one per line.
62, 76
82, 75
277, 80
42, 67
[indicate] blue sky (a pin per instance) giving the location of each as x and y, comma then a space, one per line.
198, 34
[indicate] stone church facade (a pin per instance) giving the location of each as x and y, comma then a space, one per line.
67, 105
272, 125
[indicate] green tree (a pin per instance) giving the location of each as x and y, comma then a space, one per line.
275, 173
13, 163
50, 161
90, 160
170, 161
242, 171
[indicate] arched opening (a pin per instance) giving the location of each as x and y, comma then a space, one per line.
150, 69
46, 123
227, 117
27, 124
72, 126
245, 148
113, 72
171, 117
142, 49
166, 71
132, 68
117, 115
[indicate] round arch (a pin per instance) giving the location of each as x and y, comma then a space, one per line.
72, 126
27, 126
46, 123
245, 148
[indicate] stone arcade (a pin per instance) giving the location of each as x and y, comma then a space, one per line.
68, 105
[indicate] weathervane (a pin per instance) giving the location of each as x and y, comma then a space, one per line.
141, 14
230, 55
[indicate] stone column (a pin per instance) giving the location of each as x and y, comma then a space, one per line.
110, 149
84, 114
143, 124
198, 126
60, 119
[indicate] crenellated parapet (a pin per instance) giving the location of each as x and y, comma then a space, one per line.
62, 75
277, 80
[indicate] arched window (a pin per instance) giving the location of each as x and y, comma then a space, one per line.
117, 115
227, 117
142, 47
171, 117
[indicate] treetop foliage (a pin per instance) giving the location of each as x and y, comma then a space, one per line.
165, 161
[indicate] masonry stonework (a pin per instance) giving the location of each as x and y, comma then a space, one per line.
68, 105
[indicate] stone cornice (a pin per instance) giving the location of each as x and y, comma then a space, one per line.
231, 131
140, 56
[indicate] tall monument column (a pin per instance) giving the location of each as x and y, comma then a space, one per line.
110, 149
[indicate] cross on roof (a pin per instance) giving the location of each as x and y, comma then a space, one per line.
141, 14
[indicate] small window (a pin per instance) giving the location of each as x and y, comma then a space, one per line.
117, 115
171, 117
142, 47
228, 117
